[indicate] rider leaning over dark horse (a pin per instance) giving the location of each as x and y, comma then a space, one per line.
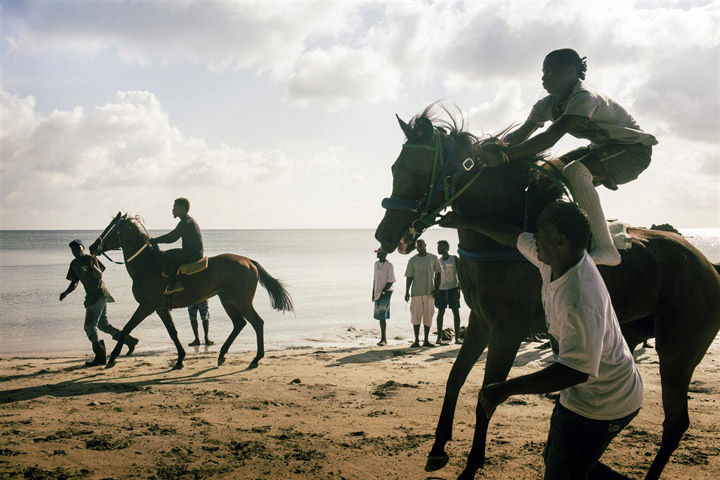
618, 152
192, 244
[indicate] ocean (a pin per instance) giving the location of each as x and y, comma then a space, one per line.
327, 272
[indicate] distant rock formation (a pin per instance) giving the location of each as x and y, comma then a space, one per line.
665, 227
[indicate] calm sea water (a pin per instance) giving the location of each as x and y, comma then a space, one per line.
328, 274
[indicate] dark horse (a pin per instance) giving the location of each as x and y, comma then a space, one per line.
664, 287
232, 277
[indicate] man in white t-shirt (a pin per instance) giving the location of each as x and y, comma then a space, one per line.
383, 279
423, 275
618, 152
600, 387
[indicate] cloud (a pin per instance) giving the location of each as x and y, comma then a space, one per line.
122, 149
342, 77
268, 37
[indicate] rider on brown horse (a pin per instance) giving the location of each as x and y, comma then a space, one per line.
192, 244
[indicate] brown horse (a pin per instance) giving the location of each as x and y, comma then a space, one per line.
664, 287
232, 277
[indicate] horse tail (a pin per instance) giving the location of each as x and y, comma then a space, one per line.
279, 296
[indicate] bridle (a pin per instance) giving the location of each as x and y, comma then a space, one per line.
115, 228
440, 181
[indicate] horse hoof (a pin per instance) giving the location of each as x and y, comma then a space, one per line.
221, 360
436, 462
178, 366
110, 364
252, 365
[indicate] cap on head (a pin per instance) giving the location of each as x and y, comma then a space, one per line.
76, 243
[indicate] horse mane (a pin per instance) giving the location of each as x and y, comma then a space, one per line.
520, 174
137, 222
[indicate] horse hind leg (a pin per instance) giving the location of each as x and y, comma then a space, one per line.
258, 325
238, 324
679, 353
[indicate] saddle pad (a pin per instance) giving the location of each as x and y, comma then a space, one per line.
621, 237
195, 267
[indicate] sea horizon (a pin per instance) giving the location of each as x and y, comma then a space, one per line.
328, 273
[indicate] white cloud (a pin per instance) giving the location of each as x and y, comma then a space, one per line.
221, 35
342, 77
120, 150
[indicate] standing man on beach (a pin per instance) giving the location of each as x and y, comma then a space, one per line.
449, 293
600, 387
383, 279
192, 244
423, 275
204, 310
88, 270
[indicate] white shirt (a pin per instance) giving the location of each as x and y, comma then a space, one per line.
448, 276
606, 120
383, 273
581, 319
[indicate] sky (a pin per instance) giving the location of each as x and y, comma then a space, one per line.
280, 115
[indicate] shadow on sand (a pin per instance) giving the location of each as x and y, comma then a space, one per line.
99, 383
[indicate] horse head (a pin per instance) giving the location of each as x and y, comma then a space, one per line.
109, 238
434, 163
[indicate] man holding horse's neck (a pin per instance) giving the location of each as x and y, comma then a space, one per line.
618, 152
192, 244
600, 387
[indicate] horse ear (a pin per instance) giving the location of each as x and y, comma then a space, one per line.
404, 126
118, 215
423, 128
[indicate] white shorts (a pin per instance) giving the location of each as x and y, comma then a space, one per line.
422, 309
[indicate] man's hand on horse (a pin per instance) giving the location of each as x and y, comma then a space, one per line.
490, 159
491, 396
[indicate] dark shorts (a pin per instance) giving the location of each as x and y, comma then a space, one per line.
173, 258
381, 310
576, 443
623, 163
448, 298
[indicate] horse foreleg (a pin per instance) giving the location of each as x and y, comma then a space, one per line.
238, 324
172, 331
141, 313
501, 354
258, 325
476, 338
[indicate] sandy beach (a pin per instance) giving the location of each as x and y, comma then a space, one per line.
305, 413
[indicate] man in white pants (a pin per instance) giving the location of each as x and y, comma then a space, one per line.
423, 275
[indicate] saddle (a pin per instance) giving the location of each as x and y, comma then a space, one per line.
191, 268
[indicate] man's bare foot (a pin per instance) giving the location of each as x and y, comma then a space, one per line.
415, 345
209, 342
428, 344
382, 343
194, 343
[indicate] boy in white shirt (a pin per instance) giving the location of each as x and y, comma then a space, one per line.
600, 387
